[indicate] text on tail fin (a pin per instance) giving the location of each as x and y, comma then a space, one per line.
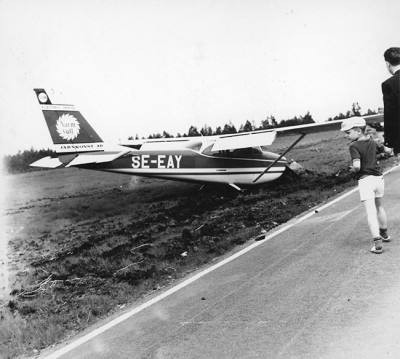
69, 130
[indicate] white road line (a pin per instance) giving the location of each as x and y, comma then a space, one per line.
192, 279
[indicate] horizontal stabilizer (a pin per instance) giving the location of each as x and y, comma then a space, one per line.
96, 158
244, 140
47, 162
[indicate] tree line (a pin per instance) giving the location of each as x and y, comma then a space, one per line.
20, 162
268, 123
229, 128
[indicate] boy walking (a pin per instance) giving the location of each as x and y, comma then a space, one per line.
364, 165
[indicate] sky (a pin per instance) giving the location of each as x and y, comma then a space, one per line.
137, 67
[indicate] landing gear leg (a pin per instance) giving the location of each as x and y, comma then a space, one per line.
236, 187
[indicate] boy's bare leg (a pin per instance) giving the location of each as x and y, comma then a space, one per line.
382, 219
372, 217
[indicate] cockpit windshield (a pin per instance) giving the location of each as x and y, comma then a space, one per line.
196, 146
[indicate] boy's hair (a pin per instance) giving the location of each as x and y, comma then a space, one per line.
377, 126
361, 128
392, 56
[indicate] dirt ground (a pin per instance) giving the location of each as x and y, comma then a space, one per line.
83, 242
43, 202
38, 203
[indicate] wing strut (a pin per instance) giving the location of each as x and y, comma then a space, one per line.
284, 153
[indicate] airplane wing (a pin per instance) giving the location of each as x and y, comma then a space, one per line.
310, 128
325, 126
243, 140
230, 141
378, 118
267, 137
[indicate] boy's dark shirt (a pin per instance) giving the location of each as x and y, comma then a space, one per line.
366, 151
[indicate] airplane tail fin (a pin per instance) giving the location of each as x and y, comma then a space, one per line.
69, 130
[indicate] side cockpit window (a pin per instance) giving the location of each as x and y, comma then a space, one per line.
225, 153
237, 153
247, 152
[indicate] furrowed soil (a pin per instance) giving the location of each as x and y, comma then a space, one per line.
84, 244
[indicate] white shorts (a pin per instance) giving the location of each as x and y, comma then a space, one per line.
371, 187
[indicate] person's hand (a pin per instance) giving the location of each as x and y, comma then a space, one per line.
388, 151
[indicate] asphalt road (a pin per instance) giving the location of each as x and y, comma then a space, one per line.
311, 289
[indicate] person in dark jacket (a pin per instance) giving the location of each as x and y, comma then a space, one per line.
391, 100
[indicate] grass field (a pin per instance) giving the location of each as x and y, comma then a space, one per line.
83, 244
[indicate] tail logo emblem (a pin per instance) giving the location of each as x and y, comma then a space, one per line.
67, 127
43, 97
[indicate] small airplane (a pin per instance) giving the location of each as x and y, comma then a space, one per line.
238, 160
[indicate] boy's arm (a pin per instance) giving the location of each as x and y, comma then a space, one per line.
356, 165
355, 159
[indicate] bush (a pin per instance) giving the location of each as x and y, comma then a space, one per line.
20, 162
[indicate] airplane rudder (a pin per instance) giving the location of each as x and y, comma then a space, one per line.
68, 129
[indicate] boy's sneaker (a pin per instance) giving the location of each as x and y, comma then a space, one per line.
377, 248
384, 235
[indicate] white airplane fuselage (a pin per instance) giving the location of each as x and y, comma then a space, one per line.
192, 166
